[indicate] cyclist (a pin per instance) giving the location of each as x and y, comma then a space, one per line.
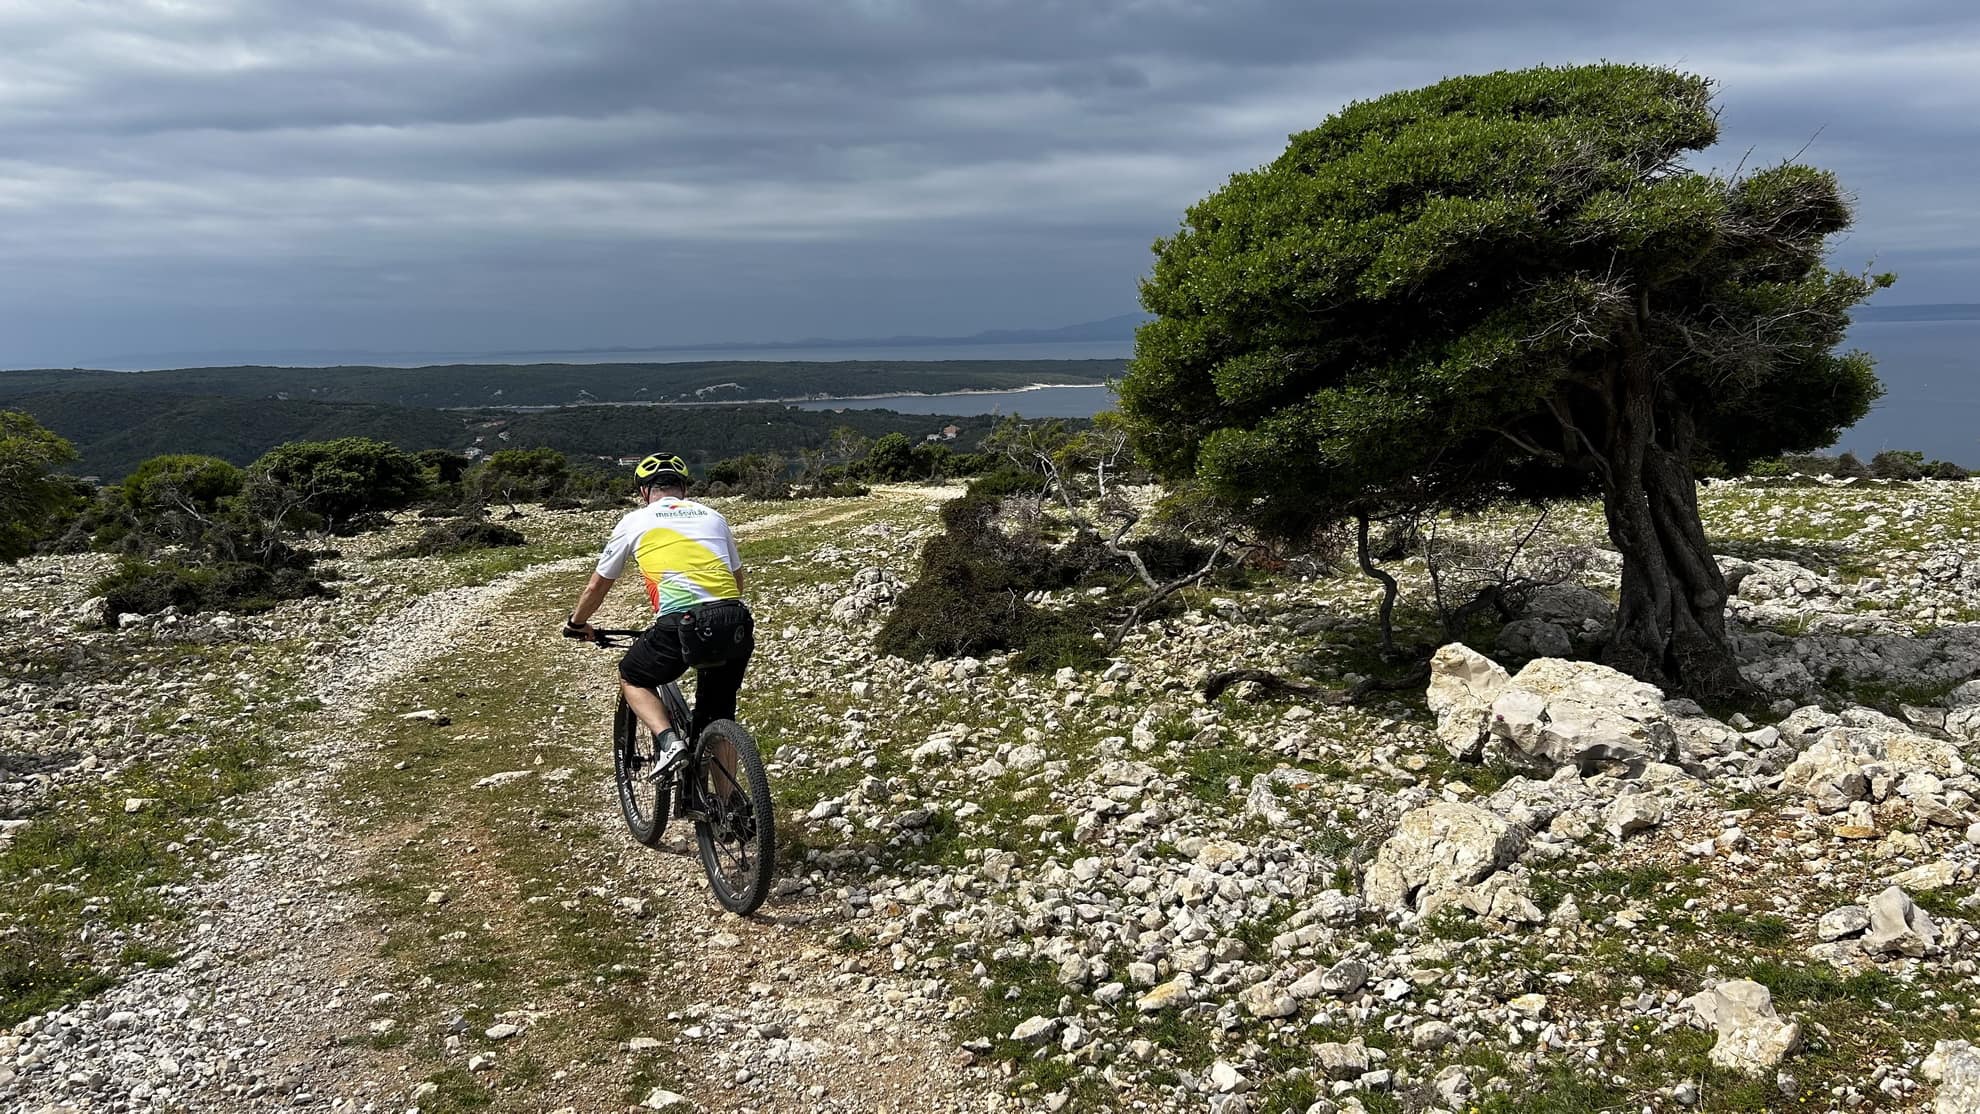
687, 555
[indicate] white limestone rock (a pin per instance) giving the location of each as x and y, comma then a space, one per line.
1899, 926
1635, 812
1954, 1066
1752, 1037
1438, 850
1463, 685
1577, 714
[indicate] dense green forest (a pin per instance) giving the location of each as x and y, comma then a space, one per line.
707, 433
472, 385
117, 419
114, 430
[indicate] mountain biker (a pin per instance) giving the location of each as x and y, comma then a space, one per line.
687, 555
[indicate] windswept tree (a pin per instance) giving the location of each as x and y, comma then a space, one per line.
1504, 285
338, 480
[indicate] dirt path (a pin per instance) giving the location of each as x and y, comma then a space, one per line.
449, 915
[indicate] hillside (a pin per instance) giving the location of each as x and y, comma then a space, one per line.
365, 849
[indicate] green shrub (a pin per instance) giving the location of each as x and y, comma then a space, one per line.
179, 481
1056, 642
460, 536
967, 600
1007, 481
146, 587
1898, 464
969, 597
892, 459
444, 467
521, 475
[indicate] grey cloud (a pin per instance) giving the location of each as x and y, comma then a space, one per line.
612, 171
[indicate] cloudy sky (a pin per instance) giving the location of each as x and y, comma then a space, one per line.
394, 175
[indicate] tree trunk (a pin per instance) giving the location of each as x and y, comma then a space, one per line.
1386, 613
1671, 625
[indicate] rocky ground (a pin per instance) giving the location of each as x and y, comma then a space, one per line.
363, 853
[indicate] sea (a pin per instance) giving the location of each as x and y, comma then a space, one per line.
1930, 371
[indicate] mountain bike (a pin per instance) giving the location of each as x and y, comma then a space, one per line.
720, 785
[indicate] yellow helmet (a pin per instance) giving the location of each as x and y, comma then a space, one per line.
661, 468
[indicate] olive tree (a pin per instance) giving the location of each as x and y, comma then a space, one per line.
1508, 285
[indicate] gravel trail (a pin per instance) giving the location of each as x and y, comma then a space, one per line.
266, 1008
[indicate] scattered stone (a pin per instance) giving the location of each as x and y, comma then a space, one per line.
1845, 921
1752, 1038
1634, 812
1463, 685
1337, 1060
1035, 1030
1954, 1067
1527, 639
1436, 851
1345, 977
1897, 925
1580, 715
1171, 993
1262, 1000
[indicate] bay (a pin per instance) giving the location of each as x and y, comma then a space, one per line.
1930, 371
1037, 402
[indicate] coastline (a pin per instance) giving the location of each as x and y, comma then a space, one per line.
940, 394
789, 400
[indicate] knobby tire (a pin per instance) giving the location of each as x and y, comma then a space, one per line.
643, 802
738, 841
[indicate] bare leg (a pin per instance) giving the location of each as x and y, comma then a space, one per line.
645, 703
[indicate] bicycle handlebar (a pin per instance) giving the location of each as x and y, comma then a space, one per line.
604, 636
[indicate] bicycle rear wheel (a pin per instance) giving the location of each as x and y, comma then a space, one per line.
643, 801
738, 840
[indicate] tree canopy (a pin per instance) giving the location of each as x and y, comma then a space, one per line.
1507, 284
346, 477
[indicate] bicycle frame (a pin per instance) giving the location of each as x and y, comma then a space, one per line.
682, 717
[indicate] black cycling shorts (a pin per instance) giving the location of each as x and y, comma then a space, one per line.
716, 639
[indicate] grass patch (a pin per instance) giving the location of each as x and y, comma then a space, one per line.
1764, 929
1207, 770
89, 868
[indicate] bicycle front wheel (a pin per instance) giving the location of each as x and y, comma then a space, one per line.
643, 802
738, 840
